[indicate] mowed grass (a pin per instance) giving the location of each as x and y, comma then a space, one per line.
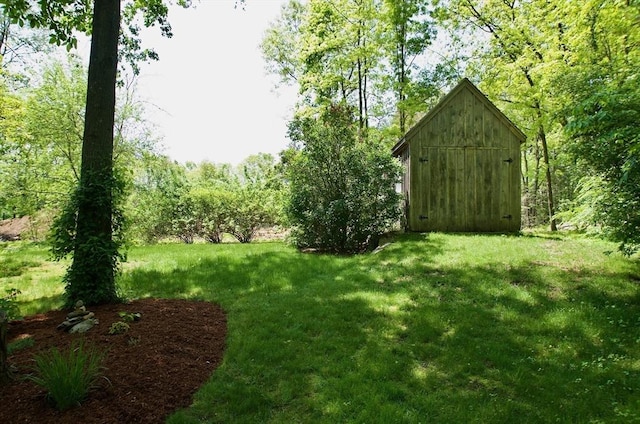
25, 266
433, 328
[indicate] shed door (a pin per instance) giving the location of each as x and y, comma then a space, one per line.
463, 189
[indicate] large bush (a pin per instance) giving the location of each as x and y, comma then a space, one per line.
253, 208
158, 186
258, 200
212, 210
343, 194
206, 200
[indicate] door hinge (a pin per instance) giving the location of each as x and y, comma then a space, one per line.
423, 160
421, 217
507, 217
508, 160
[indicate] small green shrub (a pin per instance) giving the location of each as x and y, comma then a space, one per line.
130, 316
8, 311
68, 376
118, 327
133, 341
9, 304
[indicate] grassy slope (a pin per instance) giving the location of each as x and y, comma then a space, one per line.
437, 328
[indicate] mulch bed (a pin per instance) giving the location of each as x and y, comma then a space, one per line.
151, 371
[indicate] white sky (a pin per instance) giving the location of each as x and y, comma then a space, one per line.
213, 98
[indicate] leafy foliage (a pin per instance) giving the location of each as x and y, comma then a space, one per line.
183, 223
11, 115
65, 18
600, 89
251, 209
157, 186
9, 304
405, 33
42, 145
41, 132
91, 216
213, 209
119, 327
207, 200
8, 310
130, 316
603, 127
84, 281
68, 376
258, 200
364, 53
342, 188
566, 74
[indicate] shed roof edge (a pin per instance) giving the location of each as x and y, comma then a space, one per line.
465, 82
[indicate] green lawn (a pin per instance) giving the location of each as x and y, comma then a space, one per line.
434, 328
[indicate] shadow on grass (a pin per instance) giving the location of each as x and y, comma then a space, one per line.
515, 346
392, 337
16, 267
45, 303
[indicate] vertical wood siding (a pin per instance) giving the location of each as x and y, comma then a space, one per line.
463, 167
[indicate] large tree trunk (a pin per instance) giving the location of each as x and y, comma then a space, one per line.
92, 273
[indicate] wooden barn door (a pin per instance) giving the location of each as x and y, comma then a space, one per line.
489, 186
441, 189
463, 189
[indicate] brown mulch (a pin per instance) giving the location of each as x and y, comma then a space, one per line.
150, 371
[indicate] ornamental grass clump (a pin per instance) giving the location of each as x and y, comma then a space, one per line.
68, 376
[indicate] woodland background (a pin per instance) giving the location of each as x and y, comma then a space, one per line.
565, 73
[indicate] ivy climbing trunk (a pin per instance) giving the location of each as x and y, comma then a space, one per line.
91, 277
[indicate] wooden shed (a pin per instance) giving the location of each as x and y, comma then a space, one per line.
462, 166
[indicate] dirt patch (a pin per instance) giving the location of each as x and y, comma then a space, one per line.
151, 371
34, 228
12, 229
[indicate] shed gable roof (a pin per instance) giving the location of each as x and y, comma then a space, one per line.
465, 84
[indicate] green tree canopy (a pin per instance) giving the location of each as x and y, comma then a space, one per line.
359, 52
89, 232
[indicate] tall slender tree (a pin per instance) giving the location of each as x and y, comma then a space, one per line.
406, 32
5, 24
336, 54
91, 276
510, 66
343, 51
